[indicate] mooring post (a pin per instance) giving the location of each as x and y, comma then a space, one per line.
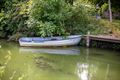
88, 39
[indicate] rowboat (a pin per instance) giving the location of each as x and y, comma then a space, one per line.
50, 41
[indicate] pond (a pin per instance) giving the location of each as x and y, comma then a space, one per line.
65, 63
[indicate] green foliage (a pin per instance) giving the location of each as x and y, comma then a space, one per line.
104, 7
97, 27
44, 28
56, 17
79, 20
103, 4
48, 17
13, 16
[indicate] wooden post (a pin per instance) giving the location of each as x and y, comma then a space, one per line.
110, 11
88, 39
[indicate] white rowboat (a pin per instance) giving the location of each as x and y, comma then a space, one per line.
50, 41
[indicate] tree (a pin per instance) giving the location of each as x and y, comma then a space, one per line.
12, 16
115, 3
57, 17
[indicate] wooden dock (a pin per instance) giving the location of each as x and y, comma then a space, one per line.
104, 38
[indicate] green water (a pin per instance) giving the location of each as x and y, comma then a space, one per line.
18, 63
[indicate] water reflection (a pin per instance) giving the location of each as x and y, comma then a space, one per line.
82, 71
97, 67
91, 71
65, 51
87, 64
82, 68
3, 66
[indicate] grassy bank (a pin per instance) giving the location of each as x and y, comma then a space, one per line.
113, 27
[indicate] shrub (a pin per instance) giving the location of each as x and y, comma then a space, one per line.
56, 17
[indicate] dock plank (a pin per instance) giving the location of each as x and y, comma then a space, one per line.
107, 38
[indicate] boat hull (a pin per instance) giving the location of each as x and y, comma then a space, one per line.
70, 41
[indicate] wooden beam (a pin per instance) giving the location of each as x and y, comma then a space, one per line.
105, 38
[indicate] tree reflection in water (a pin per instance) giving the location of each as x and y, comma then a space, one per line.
4, 65
82, 71
85, 70
82, 68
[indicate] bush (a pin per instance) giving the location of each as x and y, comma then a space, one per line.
12, 18
56, 17
47, 18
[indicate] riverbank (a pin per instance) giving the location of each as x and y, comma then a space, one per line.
109, 31
104, 27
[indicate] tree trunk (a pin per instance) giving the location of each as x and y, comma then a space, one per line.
110, 11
